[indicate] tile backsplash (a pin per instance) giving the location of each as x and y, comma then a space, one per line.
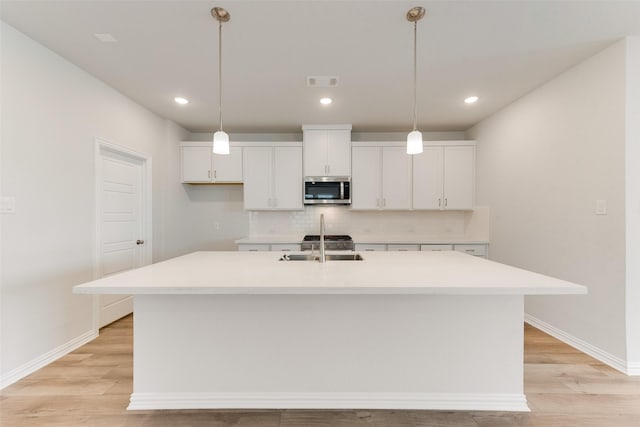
472, 225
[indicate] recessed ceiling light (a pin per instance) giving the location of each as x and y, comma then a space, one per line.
105, 37
326, 101
471, 100
180, 100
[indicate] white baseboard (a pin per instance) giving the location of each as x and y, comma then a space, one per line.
42, 361
432, 401
628, 368
633, 368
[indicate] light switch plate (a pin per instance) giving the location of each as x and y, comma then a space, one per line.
7, 204
601, 207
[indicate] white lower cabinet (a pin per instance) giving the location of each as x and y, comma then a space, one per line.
475, 250
436, 248
254, 247
368, 247
273, 178
266, 247
285, 247
402, 247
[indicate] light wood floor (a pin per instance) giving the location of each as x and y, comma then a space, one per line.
91, 387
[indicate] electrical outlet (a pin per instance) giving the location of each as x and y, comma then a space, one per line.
601, 207
7, 204
216, 225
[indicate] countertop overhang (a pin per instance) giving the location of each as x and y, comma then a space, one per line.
381, 273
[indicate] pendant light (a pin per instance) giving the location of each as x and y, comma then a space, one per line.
414, 138
220, 138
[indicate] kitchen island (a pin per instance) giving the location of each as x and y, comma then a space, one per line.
417, 330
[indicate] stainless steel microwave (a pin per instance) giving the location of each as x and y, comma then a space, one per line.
327, 190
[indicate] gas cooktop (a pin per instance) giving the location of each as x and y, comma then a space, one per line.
332, 237
335, 242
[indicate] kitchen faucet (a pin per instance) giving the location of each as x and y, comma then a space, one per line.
322, 255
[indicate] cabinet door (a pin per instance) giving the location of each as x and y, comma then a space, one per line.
287, 178
315, 152
258, 175
404, 247
427, 179
475, 250
459, 177
436, 247
365, 179
396, 178
253, 247
228, 168
370, 247
285, 247
196, 164
338, 153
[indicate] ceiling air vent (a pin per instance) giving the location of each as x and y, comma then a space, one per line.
322, 81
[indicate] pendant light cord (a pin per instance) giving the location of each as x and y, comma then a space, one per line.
220, 68
415, 67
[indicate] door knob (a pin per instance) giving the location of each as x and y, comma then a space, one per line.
139, 242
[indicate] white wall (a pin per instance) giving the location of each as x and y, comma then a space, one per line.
542, 164
633, 202
51, 113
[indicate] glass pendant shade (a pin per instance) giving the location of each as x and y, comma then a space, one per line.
414, 142
221, 142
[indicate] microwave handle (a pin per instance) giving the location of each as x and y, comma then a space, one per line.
342, 191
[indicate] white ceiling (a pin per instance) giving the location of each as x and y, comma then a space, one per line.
498, 50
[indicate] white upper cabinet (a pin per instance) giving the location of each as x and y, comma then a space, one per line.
258, 178
366, 178
195, 164
287, 178
228, 168
273, 178
396, 178
199, 165
444, 178
327, 150
381, 178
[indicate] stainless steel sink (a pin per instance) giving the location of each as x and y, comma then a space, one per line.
287, 257
344, 257
328, 257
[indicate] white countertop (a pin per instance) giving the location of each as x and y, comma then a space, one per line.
436, 273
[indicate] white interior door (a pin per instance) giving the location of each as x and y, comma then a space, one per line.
121, 225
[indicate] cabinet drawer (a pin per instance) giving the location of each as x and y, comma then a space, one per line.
403, 247
370, 247
285, 247
436, 248
253, 248
476, 250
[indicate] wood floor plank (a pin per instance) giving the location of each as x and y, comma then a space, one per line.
91, 387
